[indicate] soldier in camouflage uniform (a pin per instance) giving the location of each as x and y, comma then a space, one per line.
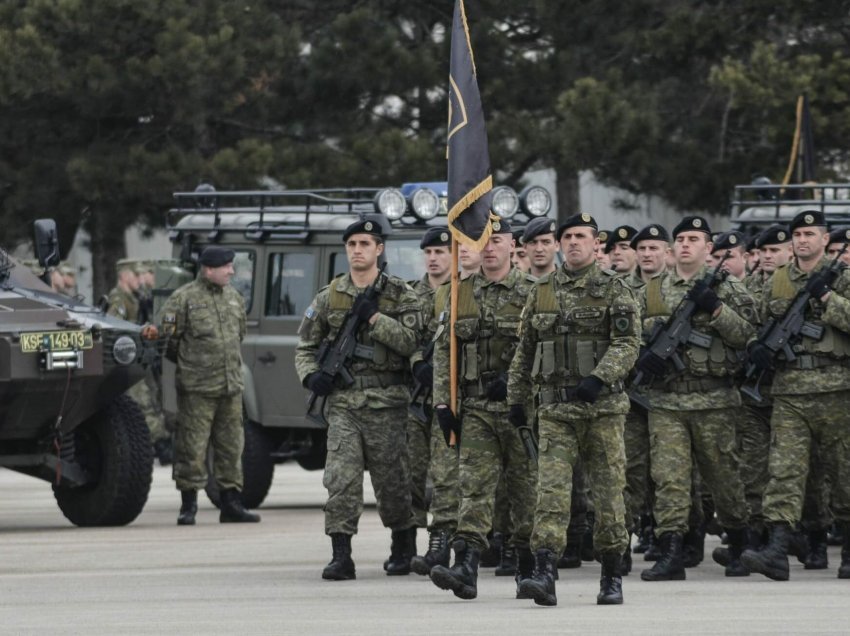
489, 307
838, 238
809, 394
693, 413
204, 323
122, 301
579, 337
367, 420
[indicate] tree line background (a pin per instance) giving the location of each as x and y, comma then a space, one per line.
108, 106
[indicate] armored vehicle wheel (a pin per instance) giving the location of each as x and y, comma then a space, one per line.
114, 447
257, 467
316, 457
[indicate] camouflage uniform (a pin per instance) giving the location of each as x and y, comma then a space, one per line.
205, 325
576, 324
366, 421
123, 304
486, 329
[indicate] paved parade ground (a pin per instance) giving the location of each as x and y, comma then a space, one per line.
155, 578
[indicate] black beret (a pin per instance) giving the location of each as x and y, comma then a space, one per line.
774, 235
518, 237
618, 234
652, 232
435, 237
538, 226
808, 218
602, 235
502, 226
365, 226
215, 256
728, 240
692, 224
577, 220
840, 235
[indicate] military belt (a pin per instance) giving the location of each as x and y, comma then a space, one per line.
478, 388
807, 361
566, 394
379, 380
695, 385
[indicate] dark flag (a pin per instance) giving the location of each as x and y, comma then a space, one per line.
802, 161
470, 181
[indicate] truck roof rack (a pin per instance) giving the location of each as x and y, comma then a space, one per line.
767, 204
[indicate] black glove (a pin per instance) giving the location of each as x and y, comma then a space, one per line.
364, 308
821, 282
497, 389
760, 356
589, 388
320, 383
423, 372
704, 297
651, 364
448, 424
517, 417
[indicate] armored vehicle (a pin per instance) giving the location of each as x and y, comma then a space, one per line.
288, 245
63, 417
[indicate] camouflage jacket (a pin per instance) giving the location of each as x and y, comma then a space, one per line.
426, 295
755, 284
123, 304
204, 325
715, 366
576, 324
822, 365
486, 329
634, 281
382, 372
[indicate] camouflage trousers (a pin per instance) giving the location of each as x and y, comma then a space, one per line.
707, 437
753, 435
445, 496
816, 513
797, 421
598, 443
203, 421
146, 395
637, 494
580, 505
419, 458
502, 508
491, 445
357, 439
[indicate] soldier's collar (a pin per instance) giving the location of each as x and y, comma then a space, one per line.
508, 281
676, 278
795, 273
577, 275
208, 284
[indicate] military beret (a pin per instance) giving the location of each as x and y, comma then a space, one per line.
728, 240
808, 218
518, 237
538, 226
577, 220
215, 256
622, 233
773, 235
840, 235
692, 224
602, 235
653, 232
502, 226
368, 225
436, 237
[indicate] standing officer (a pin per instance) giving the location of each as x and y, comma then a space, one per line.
652, 244
838, 238
579, 337
367, 420
540, 245
204, 322
693, 412
122, 301
489, 307
809, 395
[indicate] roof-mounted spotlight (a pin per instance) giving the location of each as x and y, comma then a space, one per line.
391, 203
535, 200
505, 202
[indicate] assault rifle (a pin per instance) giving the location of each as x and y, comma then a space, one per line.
666, 339
334, 357
779, 336
418, 406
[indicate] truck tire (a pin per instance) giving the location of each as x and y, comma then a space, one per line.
115, 448
316, 457
257, 468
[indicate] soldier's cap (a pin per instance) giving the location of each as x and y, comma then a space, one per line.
652, 232
753, 241
618, 234
692, 224
538, 226
370, 224
577, 220
502, 226
436, 237
518, 237
126, 265
840, 235
144, 267
602, 235
773, 235
807, 218
728, 240
215, 256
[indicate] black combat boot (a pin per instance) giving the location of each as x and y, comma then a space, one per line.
507, 563
798, 545
232, 510
653, 549
189, 508
164, 451
669, 566
610, 585
737, 541
693, 547
836, 534
341, 567
492, 555
462, 577
772, 560
524, 569
844, 570
817, 558
438, 553
402, 549
720, 554
646, 536
541, 585
571, 557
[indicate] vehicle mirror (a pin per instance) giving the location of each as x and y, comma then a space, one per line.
46, 242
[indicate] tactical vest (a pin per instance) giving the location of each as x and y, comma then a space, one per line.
834, 344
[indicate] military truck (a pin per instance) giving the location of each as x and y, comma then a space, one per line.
63, 416
288, 245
